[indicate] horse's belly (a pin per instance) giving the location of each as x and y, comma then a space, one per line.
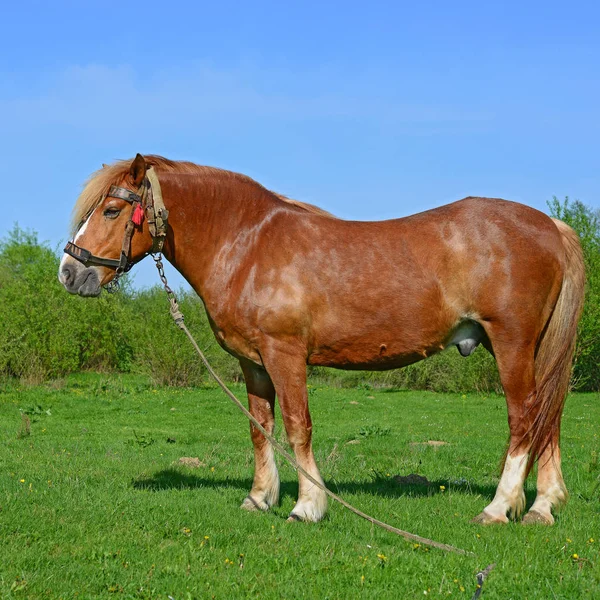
366, 364
392, 348
373, 354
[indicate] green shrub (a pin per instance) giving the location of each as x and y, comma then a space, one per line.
162, 351
44, 332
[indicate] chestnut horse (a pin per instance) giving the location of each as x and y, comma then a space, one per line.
285, 284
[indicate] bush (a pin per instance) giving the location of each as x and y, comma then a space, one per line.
44, 332
162, 351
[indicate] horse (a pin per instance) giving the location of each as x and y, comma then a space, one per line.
286, 284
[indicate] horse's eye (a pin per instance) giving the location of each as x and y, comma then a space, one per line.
112, 213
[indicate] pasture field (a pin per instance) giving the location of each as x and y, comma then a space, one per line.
93, 502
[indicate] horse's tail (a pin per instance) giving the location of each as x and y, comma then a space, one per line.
554, 358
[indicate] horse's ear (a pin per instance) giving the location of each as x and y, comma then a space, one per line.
138, 170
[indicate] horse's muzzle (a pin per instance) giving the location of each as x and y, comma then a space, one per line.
78, 279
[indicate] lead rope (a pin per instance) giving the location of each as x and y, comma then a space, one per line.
178, 318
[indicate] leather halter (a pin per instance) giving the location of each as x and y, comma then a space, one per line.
157, 224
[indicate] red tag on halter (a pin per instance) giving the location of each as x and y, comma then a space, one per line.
138, 215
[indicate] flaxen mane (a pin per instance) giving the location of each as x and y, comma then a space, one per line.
97, 186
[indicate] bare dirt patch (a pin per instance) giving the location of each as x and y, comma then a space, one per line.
191, 462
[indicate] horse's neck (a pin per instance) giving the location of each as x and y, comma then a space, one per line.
206, 217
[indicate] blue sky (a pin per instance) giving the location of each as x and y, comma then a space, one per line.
370, 110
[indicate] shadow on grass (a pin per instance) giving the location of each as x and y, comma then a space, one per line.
174, 479
169, 479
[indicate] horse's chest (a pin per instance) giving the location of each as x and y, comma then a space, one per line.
233, 335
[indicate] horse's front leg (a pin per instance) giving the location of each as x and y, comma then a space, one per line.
286, 366
261, 402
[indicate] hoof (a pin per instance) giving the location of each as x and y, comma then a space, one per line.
484, 518
308, 512
533, 517
294, 518
252, 505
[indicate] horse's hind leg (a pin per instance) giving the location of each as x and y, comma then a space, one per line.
261, 402
551, 490
287, 369
517, 373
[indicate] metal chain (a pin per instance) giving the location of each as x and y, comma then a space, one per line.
161, 273
174, 308
113, 286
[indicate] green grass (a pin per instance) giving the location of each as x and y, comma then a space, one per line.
92, 505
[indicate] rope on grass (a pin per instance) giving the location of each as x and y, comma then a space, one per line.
481, 577
178, 318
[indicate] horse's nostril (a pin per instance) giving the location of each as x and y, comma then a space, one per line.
67, 275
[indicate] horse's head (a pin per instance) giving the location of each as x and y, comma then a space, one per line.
111, 237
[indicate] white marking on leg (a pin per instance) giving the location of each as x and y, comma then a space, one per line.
551, 490
265, 488
510, 497
312, 500
271, 485
544, 502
